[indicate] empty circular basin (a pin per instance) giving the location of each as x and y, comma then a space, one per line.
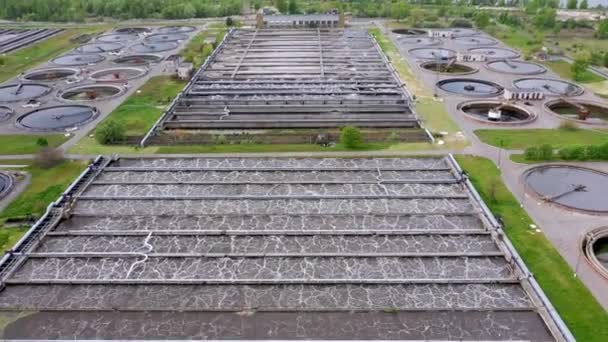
99, 47
137, 59
73, 60
92, 92
493, 53
516, 67
117, 37
432, 53
475, 41
447, 68
425, 41
550, 87
470, 87
581, 111
6, 184
496, 112
5, 113
595, 249
50, 74
464, 32
23, 91
117, 74
176, 29
57, 118
569, 186
153, 47
132, 30
166, 37
410, 32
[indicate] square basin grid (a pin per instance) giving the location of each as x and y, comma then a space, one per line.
385, 248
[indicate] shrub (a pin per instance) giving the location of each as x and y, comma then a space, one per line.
531, 153
593, 152
545, 152
604, 151
463, 23
572, 153
110, 132
42, 142
351, 137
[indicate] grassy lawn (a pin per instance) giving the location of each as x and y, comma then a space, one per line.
519, 139
522, 40
24, 59
26, 144
9, 236
45, 187
141, 110
585, 317
563, 69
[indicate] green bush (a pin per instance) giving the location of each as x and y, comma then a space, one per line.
351, 137
545, 152
531, 153
42, 142
572, 153
110, 132
462, 23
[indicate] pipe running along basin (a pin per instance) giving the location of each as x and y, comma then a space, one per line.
570, 187
581, 111
432, 53
79, 59
497, 112
137, 59
147, 47
99, 47
448, 67
513, 67
122, 74
91, 92
23, 92
57, 118
550, 87
470, 87
494, 53
50, 74
166, 37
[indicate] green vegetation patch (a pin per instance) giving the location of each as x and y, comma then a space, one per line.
517, 139
9, 236
564, 70
28, 144
585, 317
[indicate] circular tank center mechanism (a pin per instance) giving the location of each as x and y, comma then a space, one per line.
91, 92
99, 47
132, 30
410, 32
117, 38
176, 29
473, 41
57, 118
166, 37
418, 41
590, 112
496, 112
595, 249
470, 87
22, 91
117, 74
137, 59
549, 87
570, 187
72, 60
6, 183
147, 47
516, 67
5, 113
433, 53
50, 75
495, 53
450, 67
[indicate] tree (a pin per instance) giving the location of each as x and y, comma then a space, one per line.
351, 137
110, 132
584, 5
482, 20
282, 6
606, 59
571, 4
545, 18
602, 30
399, 10
229, 21
293, 7
42, 142
579, 68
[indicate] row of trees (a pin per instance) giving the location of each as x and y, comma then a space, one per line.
573, 4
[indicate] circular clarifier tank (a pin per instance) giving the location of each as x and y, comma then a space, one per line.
464, 32
153, 47
73, 60
6, 183
493, 53
425, 41
99, 47
516, 67
5, 113
137, 59
432, 53
57, 118
447, 68
475, 41
117, 38
550, 87
22, 92
166, 37
496, 112
93, 92
581, 111
50, 74
117, 74
570, 187
595, 249
470, 87
176, 29
132, 30
410, 32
